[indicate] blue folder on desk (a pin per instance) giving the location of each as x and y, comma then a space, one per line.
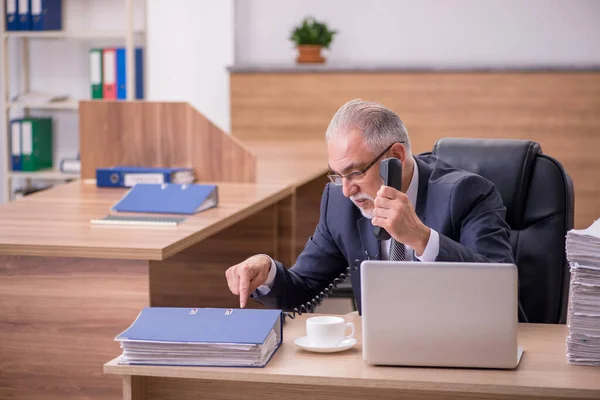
202, 336
168, 198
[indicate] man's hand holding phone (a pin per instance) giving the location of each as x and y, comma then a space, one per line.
394, 212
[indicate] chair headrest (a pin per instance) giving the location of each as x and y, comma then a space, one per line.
507, 163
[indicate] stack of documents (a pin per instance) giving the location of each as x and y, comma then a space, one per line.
39, 98
202, 337
583, 253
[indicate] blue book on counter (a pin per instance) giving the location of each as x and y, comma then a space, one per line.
202, 337
168, 198
128, 176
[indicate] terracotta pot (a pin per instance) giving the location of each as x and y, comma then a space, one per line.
309, 53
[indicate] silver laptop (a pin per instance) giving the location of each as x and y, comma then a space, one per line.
440, 314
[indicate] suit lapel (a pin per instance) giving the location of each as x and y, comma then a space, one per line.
370, 244
424, 172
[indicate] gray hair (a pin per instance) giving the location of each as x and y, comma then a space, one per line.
378, 125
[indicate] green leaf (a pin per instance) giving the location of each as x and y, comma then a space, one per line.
311, 31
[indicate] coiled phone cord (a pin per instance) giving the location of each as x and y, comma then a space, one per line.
310, 306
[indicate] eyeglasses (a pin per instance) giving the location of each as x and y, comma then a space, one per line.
337, 179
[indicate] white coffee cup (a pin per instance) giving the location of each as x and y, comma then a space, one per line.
328, 331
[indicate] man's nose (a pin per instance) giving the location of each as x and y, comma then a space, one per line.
348, 188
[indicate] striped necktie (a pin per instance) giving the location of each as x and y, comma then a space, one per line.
397, 251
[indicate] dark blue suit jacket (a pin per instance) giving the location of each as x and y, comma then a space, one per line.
464, 208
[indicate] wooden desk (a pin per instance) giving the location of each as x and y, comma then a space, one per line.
60, 313
186, 264
292, 161
56, 222
295, 374
303, 165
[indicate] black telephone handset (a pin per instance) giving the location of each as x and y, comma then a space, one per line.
391, 173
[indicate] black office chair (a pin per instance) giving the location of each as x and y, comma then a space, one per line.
538, 195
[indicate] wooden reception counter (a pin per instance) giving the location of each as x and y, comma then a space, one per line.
559, 108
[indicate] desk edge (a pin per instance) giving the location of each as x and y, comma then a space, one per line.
113, 368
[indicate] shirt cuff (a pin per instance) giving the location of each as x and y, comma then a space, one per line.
266, 287
432, 249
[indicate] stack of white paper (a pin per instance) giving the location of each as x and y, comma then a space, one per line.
199, 354
583, 320
39, 98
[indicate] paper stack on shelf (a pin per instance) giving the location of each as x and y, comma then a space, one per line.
70, 165
583, 320
202, 337
39, 98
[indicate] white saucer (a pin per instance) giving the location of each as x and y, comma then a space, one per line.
304, 343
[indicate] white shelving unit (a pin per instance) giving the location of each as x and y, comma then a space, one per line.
46, 174
58, 105
70, 35
23, 38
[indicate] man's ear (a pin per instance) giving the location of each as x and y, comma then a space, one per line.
399, 151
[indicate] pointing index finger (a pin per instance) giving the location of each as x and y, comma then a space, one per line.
244, 288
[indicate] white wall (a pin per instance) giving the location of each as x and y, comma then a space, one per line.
191, 42
190, 45
431, 33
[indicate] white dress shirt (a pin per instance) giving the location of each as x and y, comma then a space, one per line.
431, 250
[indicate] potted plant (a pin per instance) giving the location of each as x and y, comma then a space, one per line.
310, 37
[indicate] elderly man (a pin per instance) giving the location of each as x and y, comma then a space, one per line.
440, 213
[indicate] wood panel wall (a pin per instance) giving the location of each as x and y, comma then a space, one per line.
58, 321
195, 277
560, 110
159, 134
